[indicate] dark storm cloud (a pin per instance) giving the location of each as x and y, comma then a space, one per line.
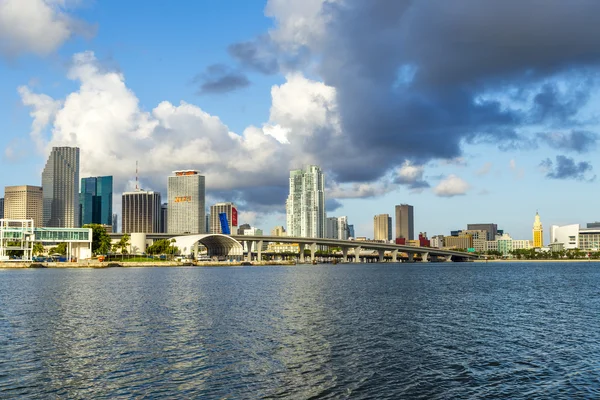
264, 199
219, 78
411, 76
258, 54
567, 168
578, 141
332, 204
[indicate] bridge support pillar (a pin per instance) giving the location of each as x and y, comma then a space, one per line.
259, 246
381, 255
345, 254
425, 257
449, 257
249, 247
301, 245
313, 250
357, 250
195, 251
411, 257
395, 256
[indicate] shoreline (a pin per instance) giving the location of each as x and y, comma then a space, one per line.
96, 264
536, 261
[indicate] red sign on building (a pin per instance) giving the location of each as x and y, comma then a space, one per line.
233, 217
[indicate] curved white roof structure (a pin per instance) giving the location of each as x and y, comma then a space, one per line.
216, 244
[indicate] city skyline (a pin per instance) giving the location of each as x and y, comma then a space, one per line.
462, 141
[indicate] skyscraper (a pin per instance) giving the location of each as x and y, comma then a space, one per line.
491, 229
1, 207
215, 222
305, 205
186, 202
140, 212
24, 202
115, 223
382, 227
95, 200
164, 218
538, 232
405, 226
60, 183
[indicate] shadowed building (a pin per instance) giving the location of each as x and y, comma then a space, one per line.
95, 200
405, 226
140, 212
60, 183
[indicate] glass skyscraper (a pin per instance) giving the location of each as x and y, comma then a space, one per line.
95, 200
60, 183
305, 205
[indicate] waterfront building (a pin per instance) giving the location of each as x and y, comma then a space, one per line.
115, 223
60, 183
140, 212
215, 221
186, 202
305, 205
458, 242
538, 232
382, 227
593, 225
491, 229
405, 227
568, 235
589, 239
23, 203
278, 231
243, 228
505, 244
283, 248
164, 214
96, 200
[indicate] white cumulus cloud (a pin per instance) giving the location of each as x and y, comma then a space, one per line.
451, 186
36, 26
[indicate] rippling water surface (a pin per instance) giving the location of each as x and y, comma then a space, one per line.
353, 331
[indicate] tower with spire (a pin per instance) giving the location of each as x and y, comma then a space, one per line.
538, 232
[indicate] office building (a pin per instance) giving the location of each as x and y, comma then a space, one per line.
538, 232
1, 207
305, 205
215, 220
351, 232
164, 215
243, 228
24, 202
186, 202
491, 229
140, 212
458, 242
95, 200
405, 227
382, 227
593, 225
336, 228
60, 183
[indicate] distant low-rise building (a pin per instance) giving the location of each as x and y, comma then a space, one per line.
278, 231
437, 241
458, 242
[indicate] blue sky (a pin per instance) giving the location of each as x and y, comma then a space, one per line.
476, 116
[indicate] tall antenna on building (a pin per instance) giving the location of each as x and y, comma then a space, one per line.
136, 176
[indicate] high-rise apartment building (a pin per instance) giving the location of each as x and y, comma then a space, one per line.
115, 223
331, 227
491, 229
186, 202
140, 212
96, 200
1, 207
24, 202
538, 232
382, 227
60, 183
215, 220
305, 205
405, 226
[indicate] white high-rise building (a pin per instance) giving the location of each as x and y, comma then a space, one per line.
336, 228
305, 205
186, 203
60, 184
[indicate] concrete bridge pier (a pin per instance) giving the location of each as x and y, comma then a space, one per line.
381, 255
411, 257
313, 250
249, 249
194, 251
395, 256
259, 247
357, 250
345, 254
425, 257
448, 257
301, 245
